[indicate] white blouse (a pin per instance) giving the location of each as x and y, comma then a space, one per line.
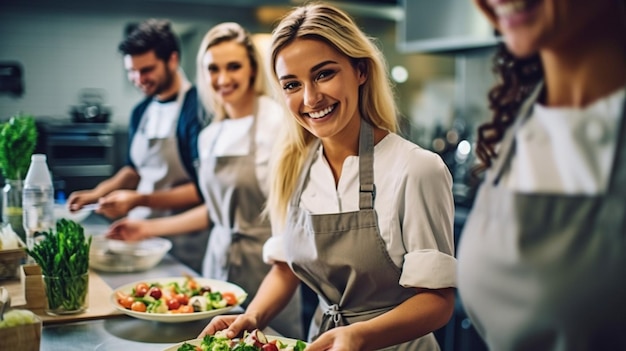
231, 137
565, 150
413, 202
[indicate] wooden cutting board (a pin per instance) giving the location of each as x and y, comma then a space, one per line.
99, 298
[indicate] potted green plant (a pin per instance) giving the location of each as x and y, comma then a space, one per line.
18, 138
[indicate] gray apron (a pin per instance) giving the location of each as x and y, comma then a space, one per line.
158, 163
546, 271
235, 203
343, 258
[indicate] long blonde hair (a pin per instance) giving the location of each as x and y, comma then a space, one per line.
224, 32
330, 25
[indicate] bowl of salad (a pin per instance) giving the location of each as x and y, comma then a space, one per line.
177, 299
255, 340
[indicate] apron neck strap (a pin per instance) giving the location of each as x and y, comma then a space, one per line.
367, 188
618, 169
255, 117
507, 147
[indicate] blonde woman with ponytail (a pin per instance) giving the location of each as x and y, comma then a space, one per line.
234, 152
361, 215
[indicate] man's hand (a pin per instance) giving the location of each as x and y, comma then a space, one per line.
80, 198
118, 203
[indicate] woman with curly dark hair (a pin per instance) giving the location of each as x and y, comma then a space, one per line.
542, 259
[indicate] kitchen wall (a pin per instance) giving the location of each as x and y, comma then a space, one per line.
66, 46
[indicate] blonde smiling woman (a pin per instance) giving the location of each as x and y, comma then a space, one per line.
365, 216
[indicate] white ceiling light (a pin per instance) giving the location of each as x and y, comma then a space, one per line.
399, 74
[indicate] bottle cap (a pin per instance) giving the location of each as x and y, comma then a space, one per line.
38, 157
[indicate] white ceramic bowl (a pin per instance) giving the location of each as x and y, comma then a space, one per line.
61, 211
119, 256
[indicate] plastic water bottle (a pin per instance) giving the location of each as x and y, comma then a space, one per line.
37, 199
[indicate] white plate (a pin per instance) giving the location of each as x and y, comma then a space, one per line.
216, 285
197, 342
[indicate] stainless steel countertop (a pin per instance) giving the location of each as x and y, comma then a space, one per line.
123, 332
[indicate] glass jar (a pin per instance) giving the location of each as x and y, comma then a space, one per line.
12, 206
66, 294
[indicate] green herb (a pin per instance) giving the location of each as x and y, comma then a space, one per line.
18, 138
216, 343
243, 347
63, 255
186, 347
300, 346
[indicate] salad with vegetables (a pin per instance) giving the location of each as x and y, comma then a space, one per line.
173, 297
251, 341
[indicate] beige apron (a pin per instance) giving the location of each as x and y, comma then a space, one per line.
235, 203
157, 160
546, 271
343, 258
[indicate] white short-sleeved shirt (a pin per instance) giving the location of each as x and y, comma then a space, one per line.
564, 150
160, 118
413, 202
231, 137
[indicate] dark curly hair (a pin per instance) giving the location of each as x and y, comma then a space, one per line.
516, 80
152, 34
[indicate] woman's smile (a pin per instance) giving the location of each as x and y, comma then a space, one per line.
321, 113
514, 13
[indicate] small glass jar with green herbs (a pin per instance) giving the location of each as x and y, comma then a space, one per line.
63, 255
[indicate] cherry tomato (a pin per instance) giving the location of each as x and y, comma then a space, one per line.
120, 295
138, 306
126, 302
269, 347
182, 298
192, 284
141, 289
172, 304
185, 309
155, 292
230, 298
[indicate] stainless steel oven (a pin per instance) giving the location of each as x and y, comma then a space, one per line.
80, 154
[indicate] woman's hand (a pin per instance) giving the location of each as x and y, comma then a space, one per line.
130, 230
338, 339
118, 203
234, 325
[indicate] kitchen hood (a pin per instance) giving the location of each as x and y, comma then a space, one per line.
443, 26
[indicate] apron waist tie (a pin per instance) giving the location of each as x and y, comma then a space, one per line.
333, 316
